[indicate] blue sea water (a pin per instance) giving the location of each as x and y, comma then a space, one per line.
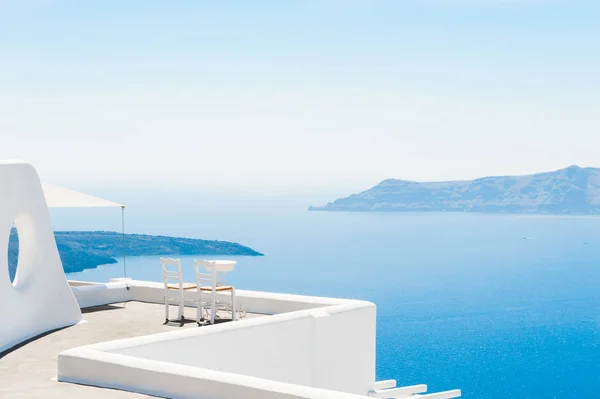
497, 305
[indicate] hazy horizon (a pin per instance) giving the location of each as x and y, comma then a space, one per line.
321, 96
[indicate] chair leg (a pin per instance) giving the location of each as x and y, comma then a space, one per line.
199, 307
213, 307
233, 313
198, 311
181, 307
166, 308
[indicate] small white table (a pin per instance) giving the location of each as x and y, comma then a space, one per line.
221, 266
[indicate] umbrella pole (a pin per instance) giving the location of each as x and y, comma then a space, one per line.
124, 254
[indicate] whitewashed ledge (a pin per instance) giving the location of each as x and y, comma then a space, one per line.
97, 294
309, 347
306, 348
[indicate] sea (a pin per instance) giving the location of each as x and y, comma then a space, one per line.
496, 305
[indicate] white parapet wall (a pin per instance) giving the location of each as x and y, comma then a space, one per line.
119, 290
308, 348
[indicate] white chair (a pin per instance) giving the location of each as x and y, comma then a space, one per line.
174, 286
208, 283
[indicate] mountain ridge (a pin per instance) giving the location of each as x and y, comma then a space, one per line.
572, 190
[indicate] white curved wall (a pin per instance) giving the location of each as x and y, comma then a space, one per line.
331, 348
316, 347
40, 299
312, 348
181, 382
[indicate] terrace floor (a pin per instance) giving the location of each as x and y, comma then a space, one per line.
30, 371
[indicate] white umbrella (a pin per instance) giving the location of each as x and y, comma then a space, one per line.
61, 197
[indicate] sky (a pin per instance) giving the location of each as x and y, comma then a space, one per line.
297, 94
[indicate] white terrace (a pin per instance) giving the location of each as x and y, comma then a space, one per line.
88, 337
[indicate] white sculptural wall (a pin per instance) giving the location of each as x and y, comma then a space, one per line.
40, 299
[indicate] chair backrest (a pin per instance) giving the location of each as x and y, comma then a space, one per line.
204, 276
172, 271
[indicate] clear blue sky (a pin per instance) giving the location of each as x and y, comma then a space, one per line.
301, 92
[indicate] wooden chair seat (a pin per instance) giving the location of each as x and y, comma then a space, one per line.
217, 288
190, 286
186, 286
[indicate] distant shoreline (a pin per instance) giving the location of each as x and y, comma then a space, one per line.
447, 212
570, 191
82, 250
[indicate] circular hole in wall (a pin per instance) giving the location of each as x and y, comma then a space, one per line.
13, 253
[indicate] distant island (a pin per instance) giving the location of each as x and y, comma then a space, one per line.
80, 250
573, 190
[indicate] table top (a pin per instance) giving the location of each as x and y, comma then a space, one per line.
221, 265
221, 261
